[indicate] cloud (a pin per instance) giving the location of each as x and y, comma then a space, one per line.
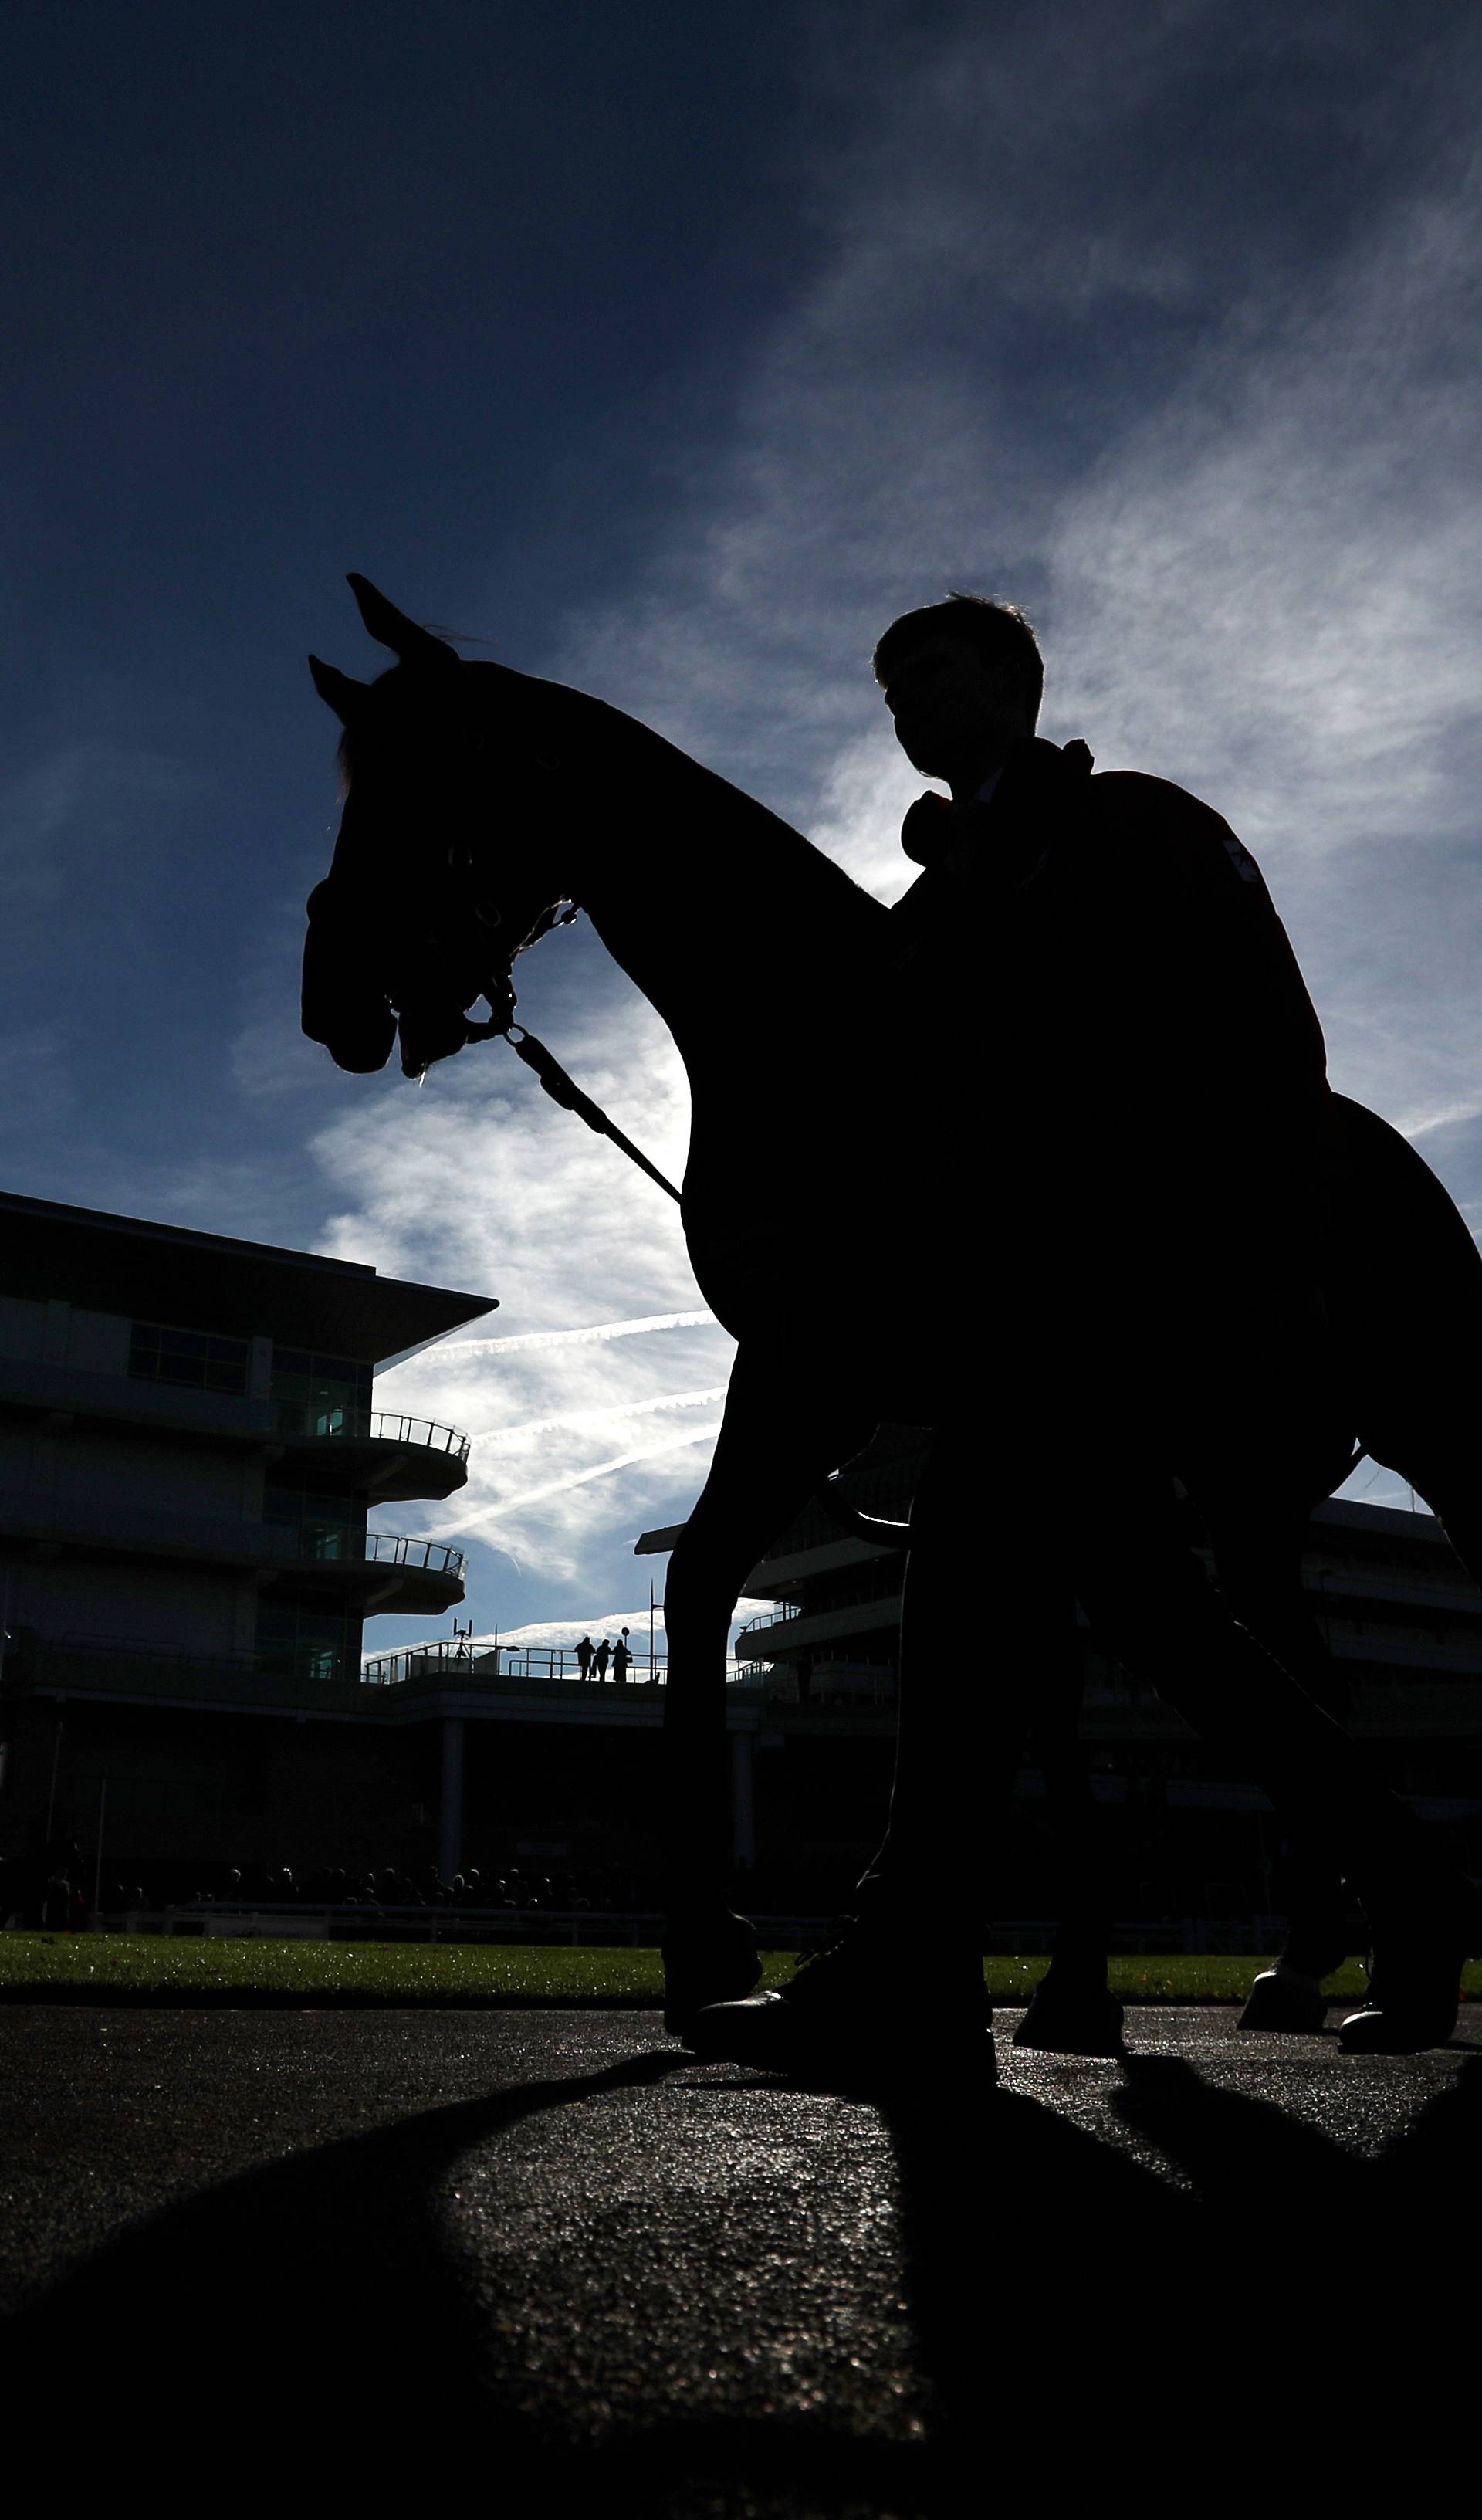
583, 1420
539, 1636
463, 1351
1248, 534
560, 1486
1272, 596
479, 1181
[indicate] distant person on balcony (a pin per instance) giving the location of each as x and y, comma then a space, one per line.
600, 1660
1116, 1044
584, 1657
621, 1658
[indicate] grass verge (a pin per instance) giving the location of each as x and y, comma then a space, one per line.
162, 1969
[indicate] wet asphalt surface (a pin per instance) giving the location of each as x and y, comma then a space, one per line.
545, 2259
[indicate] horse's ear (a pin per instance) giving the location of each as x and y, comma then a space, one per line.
343, 693
392, 629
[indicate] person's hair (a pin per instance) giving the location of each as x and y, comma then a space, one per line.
1002, 632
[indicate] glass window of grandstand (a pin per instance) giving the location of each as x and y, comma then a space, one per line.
328, 1525
196, 1360
305, 1638
319, 1395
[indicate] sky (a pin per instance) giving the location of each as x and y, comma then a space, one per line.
671, 352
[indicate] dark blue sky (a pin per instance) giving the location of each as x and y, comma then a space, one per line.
300, 289
673, 351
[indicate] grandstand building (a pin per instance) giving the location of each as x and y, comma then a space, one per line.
188, 1455
1400, 1617
189, 1451
561, 1771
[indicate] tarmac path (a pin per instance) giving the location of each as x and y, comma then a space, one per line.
343, 2249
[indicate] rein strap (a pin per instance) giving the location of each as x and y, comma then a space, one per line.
561, 1088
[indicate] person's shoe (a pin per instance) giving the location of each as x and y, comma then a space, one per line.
707, 1961
870, 2009
1415, 1978
1412, 2004
1071, 2020
1284, 1999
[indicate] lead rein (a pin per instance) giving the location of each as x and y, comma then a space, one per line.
563, 1089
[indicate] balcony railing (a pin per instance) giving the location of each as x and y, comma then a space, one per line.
482, 1665
387, 1549
374, 1425
341, 1544
773, 1618
446, 1663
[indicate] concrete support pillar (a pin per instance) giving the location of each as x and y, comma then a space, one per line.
450, 1810
742, 1821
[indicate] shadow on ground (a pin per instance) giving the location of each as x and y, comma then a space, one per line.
1067, 2295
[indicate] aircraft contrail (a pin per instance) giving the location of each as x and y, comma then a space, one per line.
575, 1419
597, 1330
579, 1478
1422, 1124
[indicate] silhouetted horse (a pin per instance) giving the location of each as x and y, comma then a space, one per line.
1403, 1292
483, 806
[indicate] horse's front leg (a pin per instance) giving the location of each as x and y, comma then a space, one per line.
774, 1450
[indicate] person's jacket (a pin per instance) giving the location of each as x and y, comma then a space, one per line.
1122, 1019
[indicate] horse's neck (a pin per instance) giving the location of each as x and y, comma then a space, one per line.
704, 896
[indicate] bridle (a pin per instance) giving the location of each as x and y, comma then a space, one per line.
452, 963
553, 1077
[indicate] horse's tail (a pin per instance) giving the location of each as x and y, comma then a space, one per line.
1404, 1300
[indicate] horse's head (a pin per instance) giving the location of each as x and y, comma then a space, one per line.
421, 914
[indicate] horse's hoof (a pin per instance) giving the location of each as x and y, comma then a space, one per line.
1281, 1999
714, 1963
1072, 2021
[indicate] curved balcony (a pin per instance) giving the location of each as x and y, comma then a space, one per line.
751, 1629
401, 1574
387, 1549
387, 1456
386, 1569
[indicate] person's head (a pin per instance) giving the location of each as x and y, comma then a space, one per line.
963, 680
